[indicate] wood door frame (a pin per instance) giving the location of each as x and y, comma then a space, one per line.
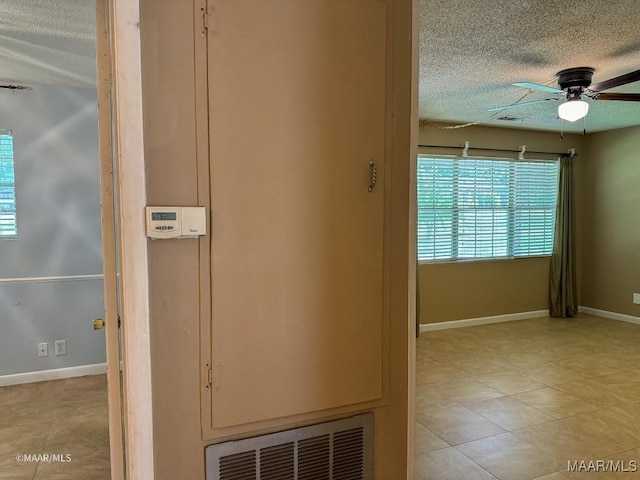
414, 81
108, 221
131, 196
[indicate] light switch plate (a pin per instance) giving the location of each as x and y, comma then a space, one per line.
636, 298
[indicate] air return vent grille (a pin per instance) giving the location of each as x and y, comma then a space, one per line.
340, 450
238, 466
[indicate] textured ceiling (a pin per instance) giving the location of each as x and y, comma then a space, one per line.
47, 42
471, 51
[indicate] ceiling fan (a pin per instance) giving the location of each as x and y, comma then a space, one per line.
15, 87
573, 84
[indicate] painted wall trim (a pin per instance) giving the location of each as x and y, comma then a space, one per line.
60, 278
612, 315
53, 374
470, 322
132, 198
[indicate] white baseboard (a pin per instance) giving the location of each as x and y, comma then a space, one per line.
469, 322
55, 374
612, 315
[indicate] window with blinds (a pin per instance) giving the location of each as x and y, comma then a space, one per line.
484, 208
8, 228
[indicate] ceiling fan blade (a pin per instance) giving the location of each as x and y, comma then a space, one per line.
513, 105
628, 97
15, 87
616, 81
535, 86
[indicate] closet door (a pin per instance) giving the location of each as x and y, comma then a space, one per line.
297, 279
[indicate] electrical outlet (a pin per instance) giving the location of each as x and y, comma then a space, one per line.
43, 349
61, 347
636, 298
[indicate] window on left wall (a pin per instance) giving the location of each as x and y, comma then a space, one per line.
8, 225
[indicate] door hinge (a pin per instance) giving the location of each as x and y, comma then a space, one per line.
205, 22
209, 377
109, 70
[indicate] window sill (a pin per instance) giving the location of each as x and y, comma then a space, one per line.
479, 260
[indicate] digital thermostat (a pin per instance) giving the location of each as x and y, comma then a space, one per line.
176, 222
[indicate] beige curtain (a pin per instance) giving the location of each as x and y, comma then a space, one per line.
563, 301
417, 299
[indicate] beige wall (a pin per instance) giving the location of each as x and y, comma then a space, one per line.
172, 179
610, 204
455, 291
172, 54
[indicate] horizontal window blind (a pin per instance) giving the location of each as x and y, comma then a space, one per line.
8, 228
484, 208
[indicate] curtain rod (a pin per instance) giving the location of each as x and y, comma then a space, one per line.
458, 147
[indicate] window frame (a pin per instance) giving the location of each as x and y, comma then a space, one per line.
511, 210
11, 185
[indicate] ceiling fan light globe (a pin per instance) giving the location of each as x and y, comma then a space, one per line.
573, 110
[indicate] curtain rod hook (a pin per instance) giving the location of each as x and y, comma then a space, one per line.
522, 150
465, 150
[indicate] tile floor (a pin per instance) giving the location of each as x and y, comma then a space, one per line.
519, 400
510, 401
66, 417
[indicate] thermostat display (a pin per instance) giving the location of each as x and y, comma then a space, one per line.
163, 216
176, 222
